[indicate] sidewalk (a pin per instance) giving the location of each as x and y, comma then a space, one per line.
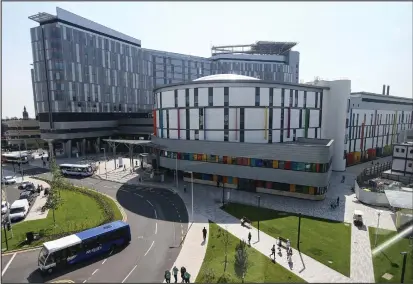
35, 212
193, 251
361, 266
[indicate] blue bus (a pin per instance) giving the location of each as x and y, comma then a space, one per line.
81, 246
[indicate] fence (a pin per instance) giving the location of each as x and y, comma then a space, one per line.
373, 172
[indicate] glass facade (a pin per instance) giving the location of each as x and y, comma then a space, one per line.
77, 70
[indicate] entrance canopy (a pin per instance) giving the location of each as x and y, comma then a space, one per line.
132, 143
400, 199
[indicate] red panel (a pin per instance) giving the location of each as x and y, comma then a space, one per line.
179, 123
287, 165
362, 137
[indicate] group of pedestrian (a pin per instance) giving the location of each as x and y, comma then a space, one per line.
185, 276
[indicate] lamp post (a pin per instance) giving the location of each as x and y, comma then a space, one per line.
377, 228
7, 203
259, 201
404, 253
104, 153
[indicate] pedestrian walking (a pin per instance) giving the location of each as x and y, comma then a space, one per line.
338, 200
167, 276
184, 188
204, 233
183, 270
273, 252
175, 273
249, 238
186, 277
288, 244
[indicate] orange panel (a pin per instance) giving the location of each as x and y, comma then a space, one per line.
292, 187
311, 190
235, 180
275, 164
229, 160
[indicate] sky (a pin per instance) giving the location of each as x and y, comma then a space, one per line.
369, 43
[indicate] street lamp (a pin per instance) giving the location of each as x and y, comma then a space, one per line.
192, 193
299, 231
377, 229
104, 153
404, 253
259, 199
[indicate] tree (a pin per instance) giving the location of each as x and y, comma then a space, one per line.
241, 259
58, 182
227, 241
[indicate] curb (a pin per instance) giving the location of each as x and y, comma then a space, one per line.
20, 251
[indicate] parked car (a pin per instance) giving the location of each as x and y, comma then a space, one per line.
29, 195
19, 209
9, 180
26, 185
4, 207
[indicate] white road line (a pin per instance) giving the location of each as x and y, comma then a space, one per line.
138, 194
129, 273
156, 228
84, 281
149, 203
179, 216
149, 249
156, 215
96, 270
104, 261
8, 264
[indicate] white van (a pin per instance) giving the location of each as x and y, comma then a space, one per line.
19, 209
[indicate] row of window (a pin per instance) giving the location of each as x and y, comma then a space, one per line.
258, 184
252, 162
389, 119
402, 150
356, 132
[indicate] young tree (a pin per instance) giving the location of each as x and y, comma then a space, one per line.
227, 241
241, 259
58, 182
209, 275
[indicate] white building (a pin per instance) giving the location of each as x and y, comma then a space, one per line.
402, 160
237, 124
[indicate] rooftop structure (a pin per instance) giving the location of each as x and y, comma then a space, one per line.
260, 47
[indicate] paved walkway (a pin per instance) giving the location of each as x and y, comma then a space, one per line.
361, 266
193, 249
35, 212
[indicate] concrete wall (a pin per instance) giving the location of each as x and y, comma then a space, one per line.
371, 198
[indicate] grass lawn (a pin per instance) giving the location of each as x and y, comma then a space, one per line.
390, 260
260, 268
328, 242
78, 212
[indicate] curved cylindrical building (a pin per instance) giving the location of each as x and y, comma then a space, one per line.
248, 134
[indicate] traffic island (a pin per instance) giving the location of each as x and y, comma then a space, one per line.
229, 260
80, 209
388, 260
327, 241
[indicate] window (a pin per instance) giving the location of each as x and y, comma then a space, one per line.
210, 96
257, 96
397, 150
296, 99
226, 96
403, 150
187, 98
175, 97
411, 151
195, 97
410, 165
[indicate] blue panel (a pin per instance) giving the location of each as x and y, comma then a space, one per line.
101, 229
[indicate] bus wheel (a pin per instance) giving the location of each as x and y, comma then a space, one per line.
50, 270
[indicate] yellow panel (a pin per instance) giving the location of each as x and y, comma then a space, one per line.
275, 164
235, 180
216, 159
229, 160
204, 157
292, 187
311, 190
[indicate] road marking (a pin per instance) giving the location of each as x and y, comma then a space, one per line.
149, 202
179, 216
96, 270
63, 281
156, 228
84, 281
8, 264
129, 273
182, 231
138, 194
149, 249
156, 215
104, 261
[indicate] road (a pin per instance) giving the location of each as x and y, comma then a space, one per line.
158, 220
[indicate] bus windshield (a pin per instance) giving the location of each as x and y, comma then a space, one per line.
43, 255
